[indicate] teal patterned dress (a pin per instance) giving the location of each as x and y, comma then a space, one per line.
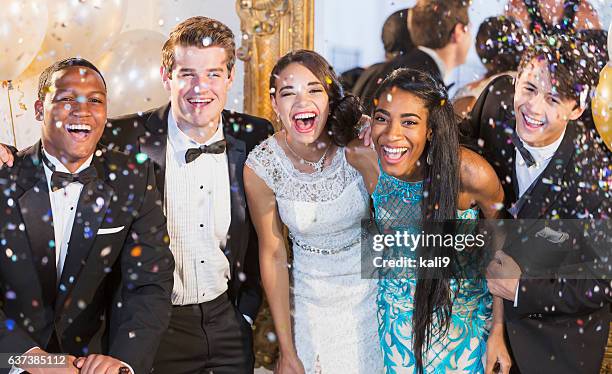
397, 206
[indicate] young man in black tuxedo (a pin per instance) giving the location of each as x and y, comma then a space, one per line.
86, 268
199, 150
552, 166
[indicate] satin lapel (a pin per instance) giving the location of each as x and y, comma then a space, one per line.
154, 144
548, 185
236, 157
35, 207
91, 209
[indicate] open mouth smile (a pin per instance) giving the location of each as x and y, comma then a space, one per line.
304, 122
78, 131
393, 155
532, 123
199, 103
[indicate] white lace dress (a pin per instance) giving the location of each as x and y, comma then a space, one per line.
333, 308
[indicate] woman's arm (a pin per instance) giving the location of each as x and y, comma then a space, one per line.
480, 185
272, 263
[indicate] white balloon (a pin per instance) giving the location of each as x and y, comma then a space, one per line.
22, 30
131, 70
85, 28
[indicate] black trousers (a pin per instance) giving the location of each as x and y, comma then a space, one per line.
212, 337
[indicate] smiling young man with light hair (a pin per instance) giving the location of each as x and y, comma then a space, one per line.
199, 150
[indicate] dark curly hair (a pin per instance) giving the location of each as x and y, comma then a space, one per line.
572, 66
344, 110
500, 41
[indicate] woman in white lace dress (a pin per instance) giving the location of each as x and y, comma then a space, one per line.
324, 311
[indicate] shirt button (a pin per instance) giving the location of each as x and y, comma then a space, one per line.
201, 187
201, 262
201, 225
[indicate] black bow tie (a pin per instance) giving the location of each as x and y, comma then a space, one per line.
60, 179
193, 153
527, 156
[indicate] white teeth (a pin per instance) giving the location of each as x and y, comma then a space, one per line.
74, 127
304, 116
532, 121
395, 150
200, 101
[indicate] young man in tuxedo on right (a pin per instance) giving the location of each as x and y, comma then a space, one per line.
552, 166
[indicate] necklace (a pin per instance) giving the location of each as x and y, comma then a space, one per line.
317, 166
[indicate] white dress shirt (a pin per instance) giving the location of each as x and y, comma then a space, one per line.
198, 208
64, 203
441, 65
526, 175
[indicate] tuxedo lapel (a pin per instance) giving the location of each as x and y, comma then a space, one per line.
236, 157
35, 207
92, 207
506, 152
547, 187
155, 142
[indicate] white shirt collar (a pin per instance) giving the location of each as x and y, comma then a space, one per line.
546, 152
181, 142
437, 60
61, 168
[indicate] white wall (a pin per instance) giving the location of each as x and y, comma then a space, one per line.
158, 15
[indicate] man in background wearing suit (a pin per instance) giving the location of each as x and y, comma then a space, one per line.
86, 269
440, 30
199, 150
552, 166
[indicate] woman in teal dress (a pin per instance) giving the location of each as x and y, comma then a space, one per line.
441, 319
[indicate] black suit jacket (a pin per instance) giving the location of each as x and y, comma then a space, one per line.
148, 133
559, 325
415, 59
114, 292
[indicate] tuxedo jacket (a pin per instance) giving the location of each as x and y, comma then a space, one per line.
148, 133
415, 59
560, 325
114, 292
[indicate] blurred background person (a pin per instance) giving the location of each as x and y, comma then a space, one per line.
397, 41
554, 16
440, 30
500, 42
